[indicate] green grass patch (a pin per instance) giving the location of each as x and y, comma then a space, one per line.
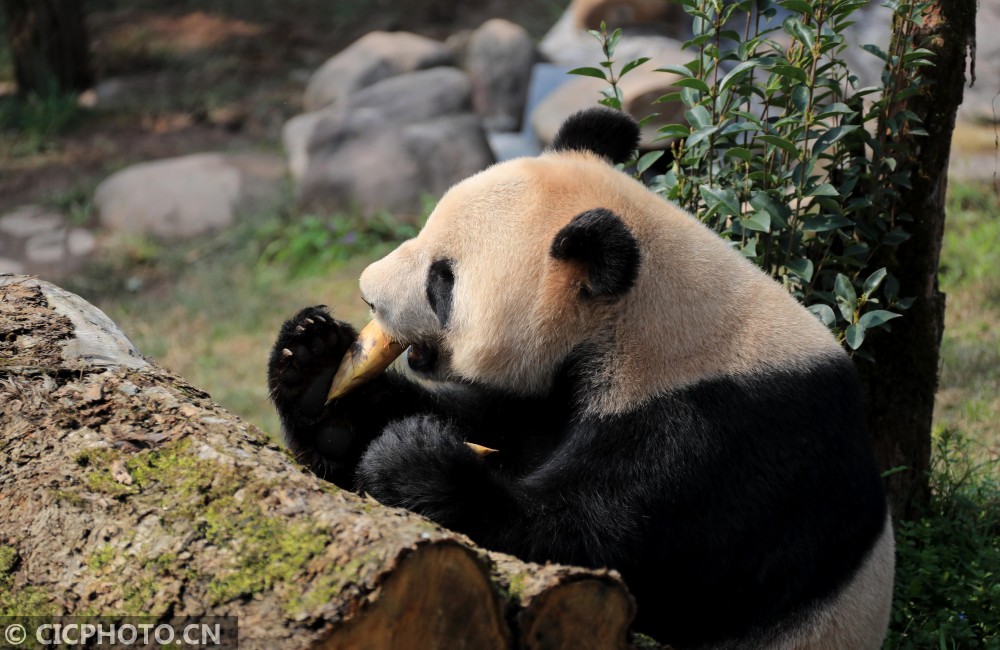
947, 592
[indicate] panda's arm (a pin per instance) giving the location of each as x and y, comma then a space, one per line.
579, 506
330, 438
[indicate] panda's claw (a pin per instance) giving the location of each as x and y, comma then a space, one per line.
285, 352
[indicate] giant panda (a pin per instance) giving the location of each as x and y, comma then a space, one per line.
659, 405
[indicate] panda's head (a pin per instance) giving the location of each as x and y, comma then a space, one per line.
517, 265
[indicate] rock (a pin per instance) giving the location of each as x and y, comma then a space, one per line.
28, 220
416, 96
33, 239
188, 196
402, 99
640, 89
499, 58
372, 164
8, 265
588, 14
568, 43
372, 58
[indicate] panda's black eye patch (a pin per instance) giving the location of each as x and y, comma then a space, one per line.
440, 283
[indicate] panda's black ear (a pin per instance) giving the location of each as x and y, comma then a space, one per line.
605, 131
600, 240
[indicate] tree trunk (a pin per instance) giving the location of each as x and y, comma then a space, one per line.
900, 386
124, 490
48, 41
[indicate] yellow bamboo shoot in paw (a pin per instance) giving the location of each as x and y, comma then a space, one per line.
366, 359
480, 450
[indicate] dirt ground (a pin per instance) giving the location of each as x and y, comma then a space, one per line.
198, 75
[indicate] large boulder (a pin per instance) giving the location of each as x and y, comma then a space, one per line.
362, 161
387, 146
568, 42
189, 196
372, 58
499, 57
640, 90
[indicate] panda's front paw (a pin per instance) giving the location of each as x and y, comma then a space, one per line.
421, 464
303, 361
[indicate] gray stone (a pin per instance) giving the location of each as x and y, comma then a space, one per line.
46, 248
80, 242
640, 89
372, 58
416, 96
499, 58
371, 164
188, 196
29, 220
10, 266
568, 42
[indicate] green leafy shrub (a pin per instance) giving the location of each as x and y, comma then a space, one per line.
947, 592
784, 155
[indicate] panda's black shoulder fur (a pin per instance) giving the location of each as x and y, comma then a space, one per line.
608, 133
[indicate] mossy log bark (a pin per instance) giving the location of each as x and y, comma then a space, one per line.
124, 490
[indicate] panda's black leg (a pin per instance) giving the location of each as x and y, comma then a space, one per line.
422, 464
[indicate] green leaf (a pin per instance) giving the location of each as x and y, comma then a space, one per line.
781, 143
732, 76
823, 189
692, 82
802, 268
831, 136
790, 71
800, 6
589, 72
876, 50
800, 98
759, 221
823, 313
761, 201
701, 134
631, 65
855, 335
681, 70
647, 160
741, 153
698, 117
874, 280
720, 200
876, 318
844, 290
674, 131
825, 222
794, 28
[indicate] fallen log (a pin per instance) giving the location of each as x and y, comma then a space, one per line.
126, 491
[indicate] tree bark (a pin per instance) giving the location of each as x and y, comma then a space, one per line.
124, 490
901, 385
48, 41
